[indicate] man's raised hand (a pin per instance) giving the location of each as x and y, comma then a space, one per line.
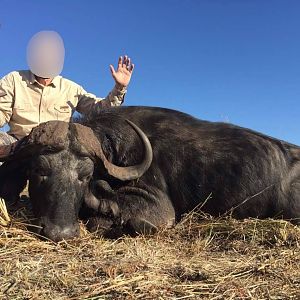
124, 71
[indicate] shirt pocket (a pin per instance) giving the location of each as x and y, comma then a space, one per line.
23, 113
22, 108
62, 112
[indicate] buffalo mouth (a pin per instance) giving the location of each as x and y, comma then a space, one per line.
55, 233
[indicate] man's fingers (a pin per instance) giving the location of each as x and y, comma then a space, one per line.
130, 65
125, 60
131, 68
120, 61
112, 69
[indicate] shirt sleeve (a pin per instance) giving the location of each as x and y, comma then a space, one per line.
6, 98
88, 101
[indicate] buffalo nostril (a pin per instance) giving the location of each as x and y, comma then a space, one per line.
70, 232
56, 233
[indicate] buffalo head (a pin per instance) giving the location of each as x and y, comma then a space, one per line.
61, 160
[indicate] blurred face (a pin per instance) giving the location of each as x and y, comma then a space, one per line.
45, 54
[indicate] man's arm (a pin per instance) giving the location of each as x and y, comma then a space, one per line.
87, 101
6, 98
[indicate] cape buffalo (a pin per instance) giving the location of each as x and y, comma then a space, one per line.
130, 170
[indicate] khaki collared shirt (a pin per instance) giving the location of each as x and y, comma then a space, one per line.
25, 103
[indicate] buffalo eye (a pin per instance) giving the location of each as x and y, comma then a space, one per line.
41, 172
41, 167
84, 177
43, 178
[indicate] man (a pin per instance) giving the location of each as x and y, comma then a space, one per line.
37, 95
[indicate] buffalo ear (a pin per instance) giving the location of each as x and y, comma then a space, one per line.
91, 201
13, 179
100, 188
103, 189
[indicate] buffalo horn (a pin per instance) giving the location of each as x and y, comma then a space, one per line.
89, 141
51, 135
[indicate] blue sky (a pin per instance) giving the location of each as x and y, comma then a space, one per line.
219, 60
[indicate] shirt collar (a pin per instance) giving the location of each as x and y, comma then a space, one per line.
54, 83
31, 78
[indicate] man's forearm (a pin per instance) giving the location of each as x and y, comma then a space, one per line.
6, 98
117, 95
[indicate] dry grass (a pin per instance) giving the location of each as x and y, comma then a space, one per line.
208, 259
4, 217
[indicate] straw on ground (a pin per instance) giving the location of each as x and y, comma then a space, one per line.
198, 259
